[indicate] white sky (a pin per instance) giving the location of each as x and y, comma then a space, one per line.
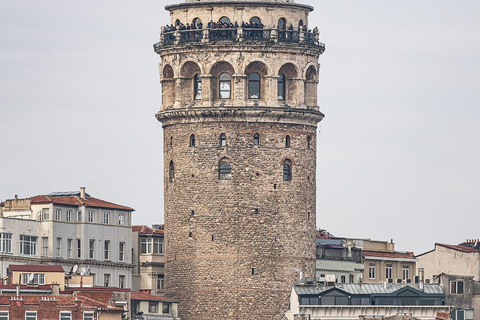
398, 151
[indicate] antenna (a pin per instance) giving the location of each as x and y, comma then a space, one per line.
75, 268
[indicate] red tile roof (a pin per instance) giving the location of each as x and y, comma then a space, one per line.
458, 248
78, 202
36, 268
62, 300
393, 255
148, 297
146, 230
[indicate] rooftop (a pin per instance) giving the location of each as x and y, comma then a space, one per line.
148, 297
458, 248
77, 201
36, 268
147, 230
390, 255
366, 288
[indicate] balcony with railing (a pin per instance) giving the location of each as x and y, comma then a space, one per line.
233, 35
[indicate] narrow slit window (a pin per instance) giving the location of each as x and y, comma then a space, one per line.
287, 170
192, 140
223, 140
256, 139
197, 87
171, 172
287, 141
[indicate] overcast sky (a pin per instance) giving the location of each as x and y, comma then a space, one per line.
398, 150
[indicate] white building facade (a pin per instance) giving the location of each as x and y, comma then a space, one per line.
69, 229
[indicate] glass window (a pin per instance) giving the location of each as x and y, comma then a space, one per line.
224, 171
30, 315
151, 245
160, 282
106, 255
255, 20
106, 279
44, 246
165, 308
121, 281
106, 217
223, 140
45, 214
281, 86
121, 251
79, 248
152, 307
6, 242
282, 24
121, 219
287, 170
91, 250
58, 214
88, 316
388, 271
456, 287
69, 215
59, 247
254, 86
3, 315
69, 248
91, 216
171, 172
28, 245
406, 272
79, 216
371, 271
197, 87
65, 315
256, 139
225, 86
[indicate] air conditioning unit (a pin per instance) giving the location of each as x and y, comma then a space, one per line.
427, 281
390, 280
399, 280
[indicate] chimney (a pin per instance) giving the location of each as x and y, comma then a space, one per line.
82, 192
16, 197
391, 246
421, 278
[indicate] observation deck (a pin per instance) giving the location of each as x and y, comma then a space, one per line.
237, 36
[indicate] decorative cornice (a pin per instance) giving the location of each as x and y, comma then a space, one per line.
307, 117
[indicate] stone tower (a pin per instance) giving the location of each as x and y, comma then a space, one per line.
239, 113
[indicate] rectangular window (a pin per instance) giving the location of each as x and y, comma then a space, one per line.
44, 246
160, 282
456, 287
3, 315
151, 245
79, 216
68, 216
88, 316
152, 307
28, 245
33, 278
69, 248
106, 279
121, 282
59, 247
121, 219
458, 314
106, 255
58, 214
91, 249
342, 279
106, 217
166, 308
406, 273
388, 271
121, 251
6, 242
91, 216
371, 271
79, 248
30, 315
65, 315
45, 214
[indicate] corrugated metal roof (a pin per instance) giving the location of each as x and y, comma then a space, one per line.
366, 288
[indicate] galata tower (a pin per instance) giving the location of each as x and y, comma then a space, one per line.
239, 112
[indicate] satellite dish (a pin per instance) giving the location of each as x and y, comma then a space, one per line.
75, 268
83, 272
30, 277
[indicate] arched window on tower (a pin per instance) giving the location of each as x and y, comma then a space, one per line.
256, 139
177, 22
223, 140
300, 24
255, 20
287, 141
254, 86
282, 24
287, 170
197, 22
224, 170
225, 86
197, 87
224, 20
171, 172
281, 92
192, 140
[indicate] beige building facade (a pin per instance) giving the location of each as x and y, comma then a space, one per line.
239, 114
